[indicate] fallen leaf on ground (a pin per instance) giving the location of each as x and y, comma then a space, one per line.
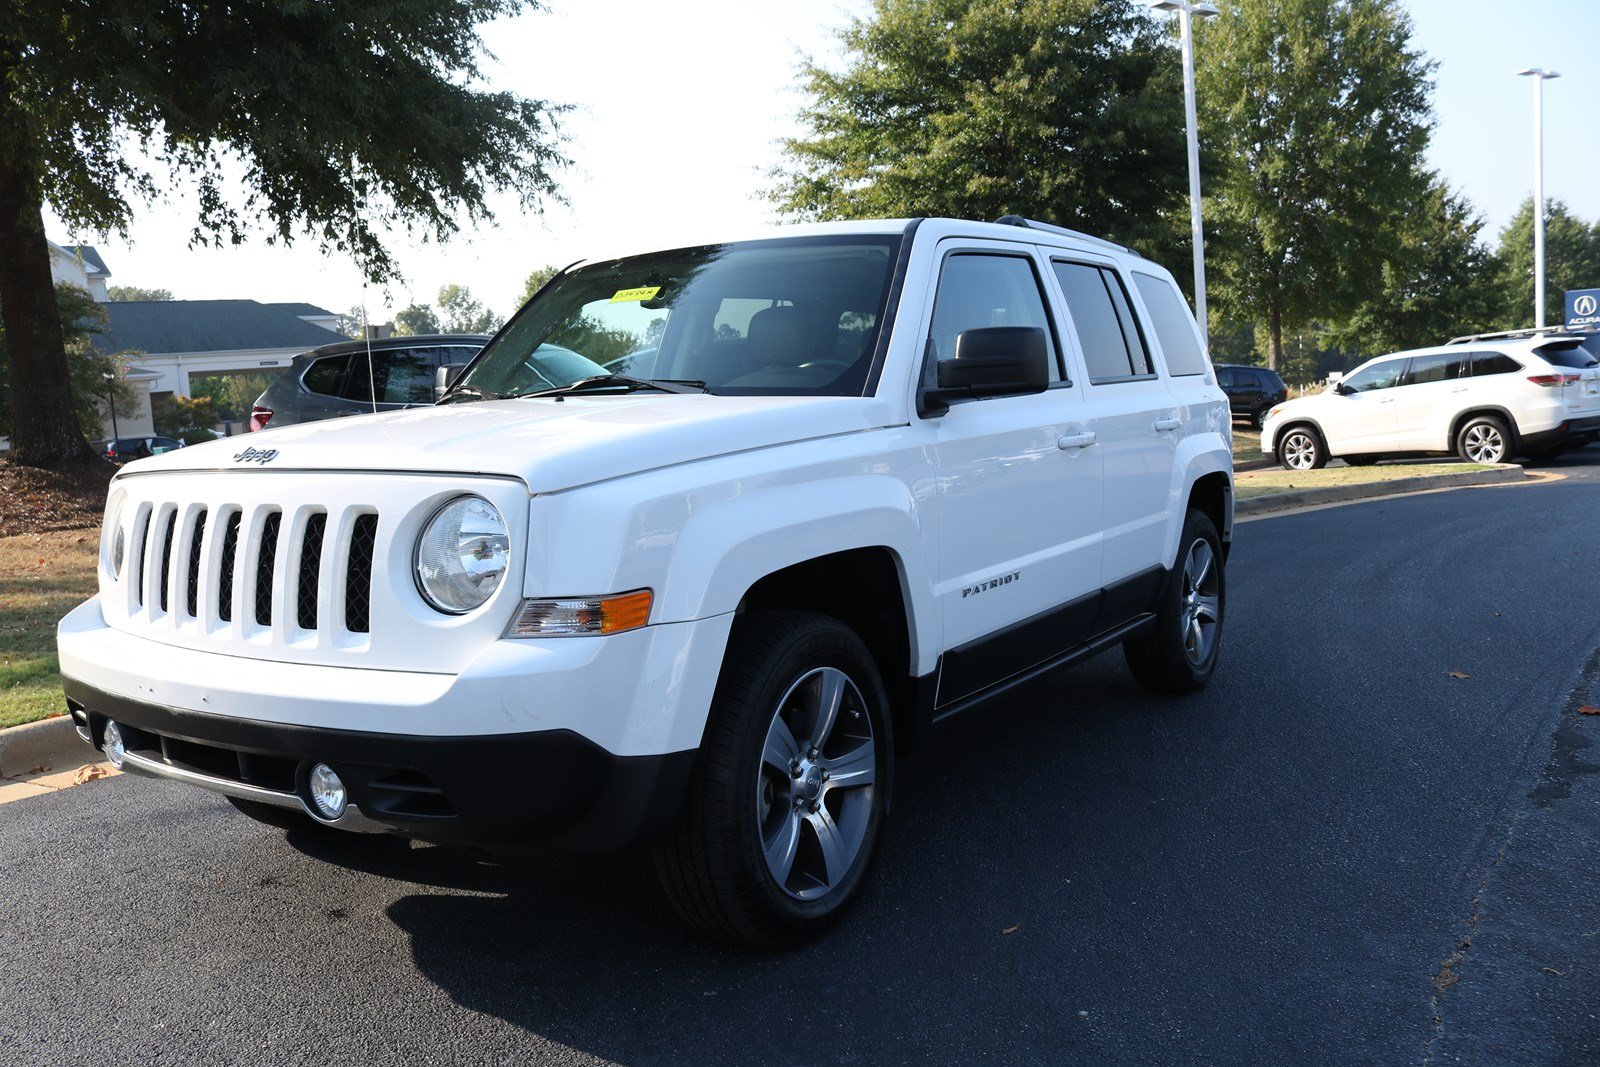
88, 773
1012, 929
1458, 674
1588, 709
37, 770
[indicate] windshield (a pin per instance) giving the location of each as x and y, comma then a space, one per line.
787, 317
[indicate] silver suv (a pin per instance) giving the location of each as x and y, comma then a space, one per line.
337, 380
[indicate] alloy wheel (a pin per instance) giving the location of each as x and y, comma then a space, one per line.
814, 797
1485, 444
1202, 601
1299, 451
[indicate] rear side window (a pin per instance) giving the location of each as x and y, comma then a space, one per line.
400, 376
1443, 367
1113, 348
324, 375
978, 290
1483, 364
1173, 325
1572, 356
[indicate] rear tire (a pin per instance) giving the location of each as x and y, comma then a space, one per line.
787, 798
1180, 654
1301, 449
1484, 439
1256, 418
272, 815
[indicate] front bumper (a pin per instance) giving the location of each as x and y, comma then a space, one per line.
497, 794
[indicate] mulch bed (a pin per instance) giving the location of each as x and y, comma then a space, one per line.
33, 501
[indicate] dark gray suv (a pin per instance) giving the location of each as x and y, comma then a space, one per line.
336, 379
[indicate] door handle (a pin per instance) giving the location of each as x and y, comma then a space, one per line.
1168, 425
1387, 400
1076, 440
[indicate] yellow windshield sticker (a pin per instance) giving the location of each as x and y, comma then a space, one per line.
644, 292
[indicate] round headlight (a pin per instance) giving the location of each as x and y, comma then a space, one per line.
463, 555
115, 540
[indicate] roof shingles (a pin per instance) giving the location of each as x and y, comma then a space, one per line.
160, 326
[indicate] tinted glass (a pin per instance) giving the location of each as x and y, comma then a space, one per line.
1484, 364
786, 317
1173, 324
1438, 368
1273, 383
324, 374
1225, 377
401, 376
1093, 308
1385, 375
1572, 356
978, 290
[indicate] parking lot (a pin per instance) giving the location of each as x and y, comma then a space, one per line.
1339, 852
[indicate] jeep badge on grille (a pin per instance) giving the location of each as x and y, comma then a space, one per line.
256, 455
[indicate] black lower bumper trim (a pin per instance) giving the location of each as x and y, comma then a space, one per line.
499, 794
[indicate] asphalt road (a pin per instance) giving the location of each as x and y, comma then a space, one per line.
1337, 854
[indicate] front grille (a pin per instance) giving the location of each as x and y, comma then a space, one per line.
358, 577
230, 548
192, 600
310, 569
166, 558
266, 565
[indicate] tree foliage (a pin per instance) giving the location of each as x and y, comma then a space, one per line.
188, 418
96, 377
1064, 110
1571, 261
342, 119
1317, 114
231, 395
127, 293
464, 313
536, 281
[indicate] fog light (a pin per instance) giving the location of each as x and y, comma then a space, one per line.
328, 794
112, 743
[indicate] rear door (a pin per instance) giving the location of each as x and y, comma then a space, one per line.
1427, 399
1137, 422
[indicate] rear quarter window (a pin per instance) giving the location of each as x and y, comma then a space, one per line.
1484, 364
324, 375
1173, 325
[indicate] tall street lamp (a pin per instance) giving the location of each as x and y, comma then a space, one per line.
1187, 10
1539, 78
111, 397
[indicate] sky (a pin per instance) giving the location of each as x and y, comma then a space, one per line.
681, 109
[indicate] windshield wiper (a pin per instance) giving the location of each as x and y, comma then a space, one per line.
629, 385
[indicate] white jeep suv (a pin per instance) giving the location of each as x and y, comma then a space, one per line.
696, 549
1485, 399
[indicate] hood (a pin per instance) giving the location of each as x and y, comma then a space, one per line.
549, 445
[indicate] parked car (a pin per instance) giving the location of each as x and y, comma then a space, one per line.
124, 449
1484, 400
856, 479
337, 379
1252, 391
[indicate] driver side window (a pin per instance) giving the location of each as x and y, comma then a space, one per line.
985, 289
1385, 375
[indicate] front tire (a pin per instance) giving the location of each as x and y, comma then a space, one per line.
1180, 654
1301, 449
1484, 439
787, 800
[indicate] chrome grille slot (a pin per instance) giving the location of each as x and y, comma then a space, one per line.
166, 559
358, 575
310, 571
266, 564
141, 532
230, 549
192, 600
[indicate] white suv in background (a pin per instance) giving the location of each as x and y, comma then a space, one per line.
1484, 399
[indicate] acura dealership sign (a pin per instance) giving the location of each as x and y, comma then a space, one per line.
1583, 307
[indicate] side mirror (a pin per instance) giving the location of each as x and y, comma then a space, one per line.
989, 361
1343, 389
445, 377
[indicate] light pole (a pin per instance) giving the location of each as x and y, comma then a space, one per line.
111, 397
1539, 78
1186, 11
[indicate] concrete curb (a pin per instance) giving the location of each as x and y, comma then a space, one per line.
1256, 464
52, 743
1340, 494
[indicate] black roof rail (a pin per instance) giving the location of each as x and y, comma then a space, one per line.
1035, 224
1506, 335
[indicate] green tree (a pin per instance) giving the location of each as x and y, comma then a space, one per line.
304, 96
1316, 114
189, 418
536, 280
231, 395
1571, 261
96, 377
461, 312
1436, 280
1068, 111
415, 319
126, 293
